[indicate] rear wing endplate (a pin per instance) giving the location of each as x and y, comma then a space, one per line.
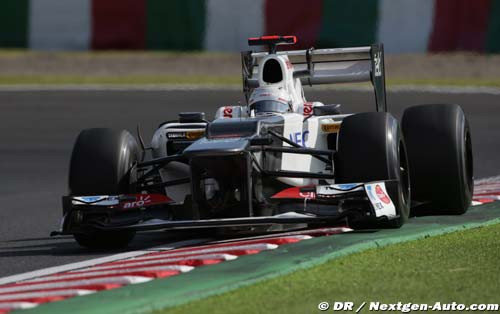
327, 66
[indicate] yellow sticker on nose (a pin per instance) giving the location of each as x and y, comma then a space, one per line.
330, 127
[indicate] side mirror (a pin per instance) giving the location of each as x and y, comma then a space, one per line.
326, 110
190, 117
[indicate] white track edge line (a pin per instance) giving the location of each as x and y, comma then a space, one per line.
41, 294
17, 305
116, 272
223, 257
64, 285
95, 261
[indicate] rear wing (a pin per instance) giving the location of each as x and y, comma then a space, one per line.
326, 66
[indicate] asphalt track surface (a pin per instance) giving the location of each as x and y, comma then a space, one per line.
38, 128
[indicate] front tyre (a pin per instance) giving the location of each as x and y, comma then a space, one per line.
371, 148
101, 164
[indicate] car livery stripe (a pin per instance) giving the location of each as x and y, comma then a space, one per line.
140, 267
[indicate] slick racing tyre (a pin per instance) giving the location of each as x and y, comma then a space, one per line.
371, 148
101, 164
439, 147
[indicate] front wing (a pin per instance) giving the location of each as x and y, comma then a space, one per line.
321, 204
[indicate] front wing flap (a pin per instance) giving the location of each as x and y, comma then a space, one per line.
374, 192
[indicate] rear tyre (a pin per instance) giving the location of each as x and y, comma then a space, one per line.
371, 148
101, 164
440, 153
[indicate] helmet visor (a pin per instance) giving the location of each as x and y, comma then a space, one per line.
269, 106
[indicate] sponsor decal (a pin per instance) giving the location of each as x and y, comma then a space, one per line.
289, 65
378, 63
123, 201
370, 192
228, 112
337, 189
91, 199
380, 200
346, 186
374, 200
98, 200
295, 193
308, 195
299, 138
308, 109
143, 200
194, 135
139, 202
330, 127
381, 195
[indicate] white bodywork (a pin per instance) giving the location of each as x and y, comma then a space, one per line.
300, 125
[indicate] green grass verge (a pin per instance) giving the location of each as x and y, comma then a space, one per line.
201, 80
459, 267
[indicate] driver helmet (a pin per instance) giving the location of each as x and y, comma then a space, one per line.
269, 100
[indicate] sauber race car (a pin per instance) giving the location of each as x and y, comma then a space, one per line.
278, 162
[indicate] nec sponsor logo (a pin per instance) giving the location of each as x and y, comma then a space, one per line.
299, 138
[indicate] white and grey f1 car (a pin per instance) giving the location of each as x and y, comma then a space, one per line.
278, 161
